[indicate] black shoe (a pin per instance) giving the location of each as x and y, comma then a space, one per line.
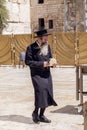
44, 119
35, 118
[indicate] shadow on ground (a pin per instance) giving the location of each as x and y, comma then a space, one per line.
73, 110
17, 118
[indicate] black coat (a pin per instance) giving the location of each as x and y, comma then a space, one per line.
40, 75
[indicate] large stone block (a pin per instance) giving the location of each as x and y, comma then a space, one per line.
24, 13
19, 17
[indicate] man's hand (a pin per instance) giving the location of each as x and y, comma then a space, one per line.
53, 62
46, 63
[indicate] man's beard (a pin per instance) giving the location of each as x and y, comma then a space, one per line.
44, 49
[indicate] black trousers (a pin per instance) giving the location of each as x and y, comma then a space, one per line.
42, 110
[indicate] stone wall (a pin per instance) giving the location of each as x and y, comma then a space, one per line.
24, 16
49, 10
85, 7
55, 10
19, 17
74, 15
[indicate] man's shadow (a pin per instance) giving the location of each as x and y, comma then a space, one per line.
69, 109
17, 118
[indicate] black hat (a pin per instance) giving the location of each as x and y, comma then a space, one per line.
41, 33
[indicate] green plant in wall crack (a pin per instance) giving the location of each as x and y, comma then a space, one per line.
3, 15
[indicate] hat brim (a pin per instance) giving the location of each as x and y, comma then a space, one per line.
47, 34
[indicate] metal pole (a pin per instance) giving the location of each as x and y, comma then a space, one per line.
77, 67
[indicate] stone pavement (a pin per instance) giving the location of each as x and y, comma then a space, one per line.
16, 101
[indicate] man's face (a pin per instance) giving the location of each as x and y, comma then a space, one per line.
44, 39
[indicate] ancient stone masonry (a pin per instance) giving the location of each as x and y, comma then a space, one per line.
65, 15
19, 17
26, 16
74, 15
49, 11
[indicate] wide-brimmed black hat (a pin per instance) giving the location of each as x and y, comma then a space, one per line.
41, 33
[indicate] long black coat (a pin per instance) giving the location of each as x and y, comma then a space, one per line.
40, 75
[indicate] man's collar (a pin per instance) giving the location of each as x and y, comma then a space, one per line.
38, 43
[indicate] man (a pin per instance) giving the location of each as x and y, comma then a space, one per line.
37, 57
